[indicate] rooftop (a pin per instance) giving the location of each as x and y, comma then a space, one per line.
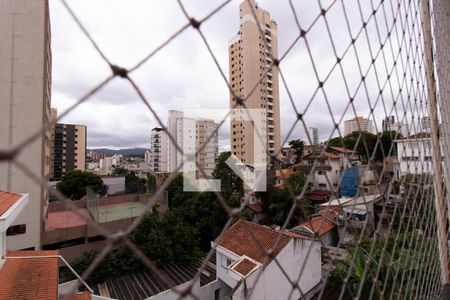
7, 200
244, 266
341, 149
323, 155
318, 195
64, 219
29, 275
146, 284
253, 240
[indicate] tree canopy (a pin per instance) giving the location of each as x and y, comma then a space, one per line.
73, 185
297, 146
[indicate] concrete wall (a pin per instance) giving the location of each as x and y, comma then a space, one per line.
25, 85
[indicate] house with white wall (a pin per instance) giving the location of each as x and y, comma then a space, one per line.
327, 170
248, 272
414, 154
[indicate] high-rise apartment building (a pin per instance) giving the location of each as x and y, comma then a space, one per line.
208, 150
314, 135
389, 124
204, 128
251, 55
357, 124
159, 150
68, 148
25, 92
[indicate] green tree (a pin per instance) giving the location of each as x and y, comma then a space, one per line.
297, 146
151, 184
73, 185
387, 139
359, 141
278, 203
134, 184
230, 182
177, 196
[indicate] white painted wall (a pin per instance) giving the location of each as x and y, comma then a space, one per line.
201, 292
273, 284
24, 108
414, 156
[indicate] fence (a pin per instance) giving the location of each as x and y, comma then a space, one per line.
377, 59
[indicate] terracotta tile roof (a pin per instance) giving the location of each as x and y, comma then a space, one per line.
255, 207
283, 173
341, 149
244, 266
313, 156
318, 195
319, 225
7, 200
29, 278
239, 240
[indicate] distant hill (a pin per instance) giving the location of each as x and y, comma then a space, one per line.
124, 152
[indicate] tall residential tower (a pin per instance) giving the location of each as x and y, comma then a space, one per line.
251, 55
25, 88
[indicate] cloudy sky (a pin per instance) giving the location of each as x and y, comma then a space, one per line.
183, 75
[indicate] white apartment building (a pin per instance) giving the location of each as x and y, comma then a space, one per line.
204, 128
25, 92
314, 135
414, 154
357, 124
159, 150
389, 124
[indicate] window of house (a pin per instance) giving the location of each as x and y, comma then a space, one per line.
322, 185
16, 229
217, 294
321, 173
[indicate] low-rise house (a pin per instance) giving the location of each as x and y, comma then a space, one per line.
248, 272
414, 154
321, 226
30, 274
327, 170
354, 214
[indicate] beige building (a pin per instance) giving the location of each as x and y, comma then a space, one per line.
68, 148
203, 128
357, 124
25, 89
209, 149
250, 56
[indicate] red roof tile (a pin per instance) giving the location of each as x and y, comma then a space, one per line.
318, 195
244, 266
312, 156
29, 278
341, 149
7, 200
253, 240
319, 225
255, 207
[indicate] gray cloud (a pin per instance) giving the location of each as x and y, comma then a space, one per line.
183, 75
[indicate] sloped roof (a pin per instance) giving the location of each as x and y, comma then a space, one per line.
253, 240
283, 173
341, 149
244, 266
80, 296
29, 278
320, 224
420, 135
318, 195
7, 200
255, 207
325, 155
